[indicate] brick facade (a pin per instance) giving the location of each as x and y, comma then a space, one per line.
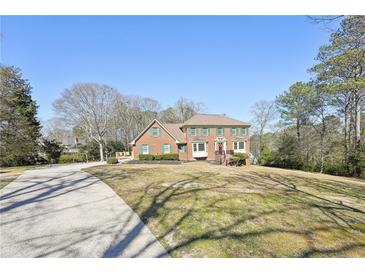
185, 149
155, 142
211, 139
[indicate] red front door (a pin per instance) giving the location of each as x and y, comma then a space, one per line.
220, 148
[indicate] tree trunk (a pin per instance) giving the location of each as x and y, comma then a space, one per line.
357, 139
346, 135
101, 152
260, 143
298, 130
322, 154
357, 123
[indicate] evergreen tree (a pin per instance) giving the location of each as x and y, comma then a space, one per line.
341, 72
293, 105
52, 150
288, 153
19, 126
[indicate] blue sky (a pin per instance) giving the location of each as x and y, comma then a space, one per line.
228, 63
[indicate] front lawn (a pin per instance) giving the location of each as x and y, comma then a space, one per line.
9, 174
203, 210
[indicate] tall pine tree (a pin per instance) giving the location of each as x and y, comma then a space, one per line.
19, 126
341, 71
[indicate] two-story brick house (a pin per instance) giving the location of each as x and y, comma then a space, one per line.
203, 136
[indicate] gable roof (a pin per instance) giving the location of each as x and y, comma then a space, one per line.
175, 130
213, 120
172, 129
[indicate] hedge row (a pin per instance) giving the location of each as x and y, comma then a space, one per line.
72, 158
157, 157
241, 156
112, 161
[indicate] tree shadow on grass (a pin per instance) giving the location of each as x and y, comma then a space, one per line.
158, 201
335, 220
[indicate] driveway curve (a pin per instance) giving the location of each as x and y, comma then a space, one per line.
61, 211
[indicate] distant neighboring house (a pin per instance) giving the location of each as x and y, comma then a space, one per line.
202, 137
71, 142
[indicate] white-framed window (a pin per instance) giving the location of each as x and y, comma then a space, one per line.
235, 131
199, 147
244, 131
145, 149
193, 131
155, 131
166, 149
239, 146
204, 131
220, 131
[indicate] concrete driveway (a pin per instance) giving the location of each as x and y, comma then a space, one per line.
61, 211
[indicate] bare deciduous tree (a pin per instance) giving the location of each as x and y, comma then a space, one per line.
183, 110
56, 129
264, 112
91, 107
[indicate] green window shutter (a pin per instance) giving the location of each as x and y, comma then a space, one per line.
161, 149
231, 130
216, 131
140, 150
243, 131
150, 130
208, 131
170, 148
158, 132
189, 131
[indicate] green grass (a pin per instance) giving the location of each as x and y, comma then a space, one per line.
9, 174
203, 210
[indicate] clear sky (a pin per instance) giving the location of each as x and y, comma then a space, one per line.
228, 63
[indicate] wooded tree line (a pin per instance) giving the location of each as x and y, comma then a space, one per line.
321, 122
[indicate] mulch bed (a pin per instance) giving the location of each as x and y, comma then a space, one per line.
154, 162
